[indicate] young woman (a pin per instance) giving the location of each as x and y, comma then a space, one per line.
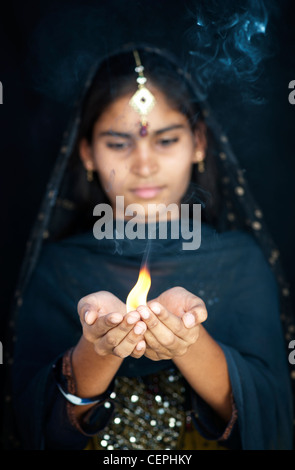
204, 362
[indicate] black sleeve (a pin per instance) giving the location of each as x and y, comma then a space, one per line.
212, 427
62, 429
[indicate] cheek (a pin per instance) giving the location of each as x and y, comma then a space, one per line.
180, 180
180, 171
109, 180
111, 175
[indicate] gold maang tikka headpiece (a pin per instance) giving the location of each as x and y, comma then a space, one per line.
143, 100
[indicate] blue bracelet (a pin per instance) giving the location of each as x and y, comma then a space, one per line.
82, 401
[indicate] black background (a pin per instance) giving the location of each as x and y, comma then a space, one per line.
32, 121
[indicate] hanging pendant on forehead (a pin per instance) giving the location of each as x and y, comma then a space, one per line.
143, 100
143, 129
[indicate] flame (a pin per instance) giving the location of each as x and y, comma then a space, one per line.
138, 295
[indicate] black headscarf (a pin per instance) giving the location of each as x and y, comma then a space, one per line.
68, 199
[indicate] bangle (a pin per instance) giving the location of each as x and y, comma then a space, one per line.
75, 400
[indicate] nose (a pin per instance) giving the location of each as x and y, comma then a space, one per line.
145, 161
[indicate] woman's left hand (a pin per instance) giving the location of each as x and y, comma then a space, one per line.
173, 321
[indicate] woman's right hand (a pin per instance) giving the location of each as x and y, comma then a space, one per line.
109, 328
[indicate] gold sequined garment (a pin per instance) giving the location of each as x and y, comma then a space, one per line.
149, 413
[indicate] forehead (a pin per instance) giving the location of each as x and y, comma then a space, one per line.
121, 116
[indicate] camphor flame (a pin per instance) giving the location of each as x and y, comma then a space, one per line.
138, 295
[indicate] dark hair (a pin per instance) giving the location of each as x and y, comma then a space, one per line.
116, 77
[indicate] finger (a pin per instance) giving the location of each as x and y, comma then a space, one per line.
185, 330
114, 324
88, 312
180, 301
189, 320
95, 326
90, 317
102, 302
127, 346
110, 320
164, 335
119, 329
173, 322
153, 344
195, 315
139, 349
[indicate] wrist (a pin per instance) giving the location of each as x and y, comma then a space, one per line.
193, 351
93, 373
65, 382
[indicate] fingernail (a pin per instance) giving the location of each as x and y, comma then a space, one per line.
189, 320
140, 345
138, 329
155, 308
131, 319
116, 318
89, 317
144, 312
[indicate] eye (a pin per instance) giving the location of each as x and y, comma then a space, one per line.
117, 145
168, 142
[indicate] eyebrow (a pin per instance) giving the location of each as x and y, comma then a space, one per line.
114, 134
169, 128
129, 136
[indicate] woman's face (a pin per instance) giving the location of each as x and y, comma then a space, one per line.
154, 169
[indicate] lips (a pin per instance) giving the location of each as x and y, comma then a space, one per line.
147, 192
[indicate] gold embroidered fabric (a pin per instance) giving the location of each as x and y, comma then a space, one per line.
150, 415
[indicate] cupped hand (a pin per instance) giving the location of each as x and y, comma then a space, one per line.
109, 328
184, 304
173, 321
